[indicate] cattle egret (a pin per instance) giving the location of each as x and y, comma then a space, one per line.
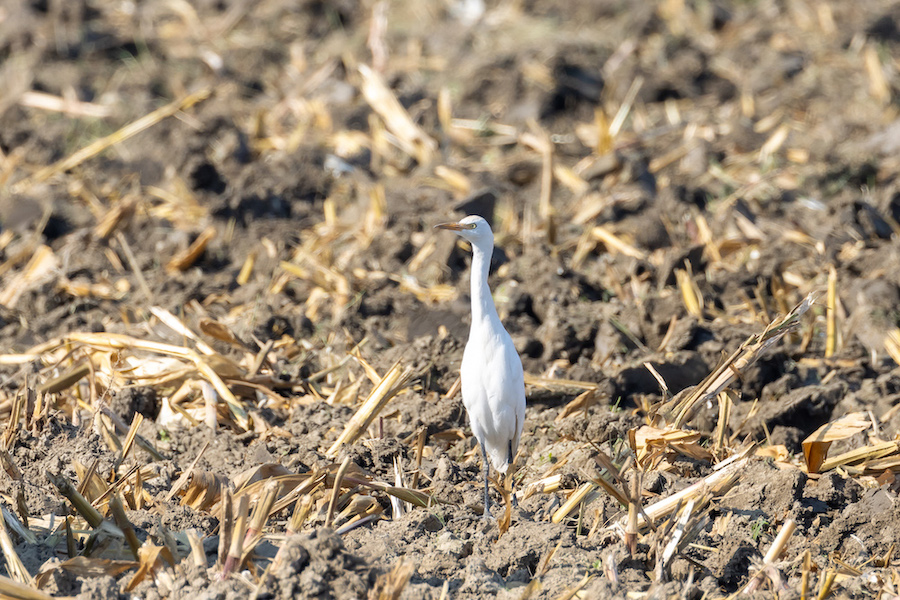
493, 384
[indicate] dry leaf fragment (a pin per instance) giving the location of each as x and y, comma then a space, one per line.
204, 490
151, 558
777, 452
649, 441
259, 473
580, 404
82, 566
220, 331
815, 447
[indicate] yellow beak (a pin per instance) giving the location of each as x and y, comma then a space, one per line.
455, 226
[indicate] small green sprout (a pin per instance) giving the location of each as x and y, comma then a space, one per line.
758, 528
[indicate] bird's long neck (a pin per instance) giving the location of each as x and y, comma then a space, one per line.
483, 308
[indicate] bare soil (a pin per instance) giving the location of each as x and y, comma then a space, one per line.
625, 153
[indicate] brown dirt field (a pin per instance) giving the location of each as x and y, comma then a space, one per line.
216, 232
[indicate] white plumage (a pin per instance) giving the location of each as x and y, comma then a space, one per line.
493, 384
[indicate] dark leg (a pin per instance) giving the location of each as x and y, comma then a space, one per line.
487, 497
509, 463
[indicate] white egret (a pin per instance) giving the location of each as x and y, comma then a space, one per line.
493, 384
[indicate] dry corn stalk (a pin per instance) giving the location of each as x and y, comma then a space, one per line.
307, 486
17, 526
407, 495
393, 381
336, 490
506, 493
185, 259
118, 511
120, 342
43, 262
716, 483
681, 409
631, 521
82, 566
84, 508
397, 506
831, 329
872, 457
680, 533
68, 105
545, 485
301, 513
614, 243
409, 136
204, 491
573, 592
121, 211
9, 588
879, 85
693, 299
14, 564
95, 148
263, 508
129, 439
582, 494
580, 404
361, 509
777, 549
892, 344
198, 554
177, 325
390, 585
774, 143
238, 533
726, 402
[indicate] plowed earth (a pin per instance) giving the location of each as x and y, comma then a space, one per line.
745, 152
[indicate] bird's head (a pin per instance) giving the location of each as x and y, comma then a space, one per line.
473, 229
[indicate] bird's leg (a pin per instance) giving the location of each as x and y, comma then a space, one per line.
487, 497
510, 473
